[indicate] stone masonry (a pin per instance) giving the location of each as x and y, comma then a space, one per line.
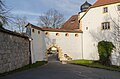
14, 50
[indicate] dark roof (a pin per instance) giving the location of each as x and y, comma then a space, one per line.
33, 26
85, 6
104, 2
71, 23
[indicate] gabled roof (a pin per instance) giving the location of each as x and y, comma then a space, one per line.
33, 26
104, 2
71, 23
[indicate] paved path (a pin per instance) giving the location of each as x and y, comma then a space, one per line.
56, 70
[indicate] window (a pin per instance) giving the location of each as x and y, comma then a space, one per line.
86, 28
57, 34
106, 25
46, 33
66, 34
38, 32
33, 30
105, 9
118, 7
76, 35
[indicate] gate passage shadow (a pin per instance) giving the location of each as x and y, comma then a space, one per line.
53, 57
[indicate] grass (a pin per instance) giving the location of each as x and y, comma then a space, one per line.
94, 64
30, 66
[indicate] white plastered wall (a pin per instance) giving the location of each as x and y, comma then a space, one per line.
38, 47
70, 45
93, 19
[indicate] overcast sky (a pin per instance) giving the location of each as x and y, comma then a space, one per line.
32, 9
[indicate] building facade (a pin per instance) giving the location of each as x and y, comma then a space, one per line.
79, 36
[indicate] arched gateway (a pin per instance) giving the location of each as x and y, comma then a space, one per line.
53, 53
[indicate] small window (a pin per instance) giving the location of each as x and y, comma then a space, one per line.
46, 33
66, 34
106, 25
57, 34
38, 32
76, 35
86, 28
33, 30
105, 9
118, 7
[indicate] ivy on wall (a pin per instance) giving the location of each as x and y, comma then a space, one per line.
105, 49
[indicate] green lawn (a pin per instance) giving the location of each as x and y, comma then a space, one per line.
90, 63
30, 66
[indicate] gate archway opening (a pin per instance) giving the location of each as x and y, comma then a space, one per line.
53, 54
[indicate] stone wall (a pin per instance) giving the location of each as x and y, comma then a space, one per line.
14, 50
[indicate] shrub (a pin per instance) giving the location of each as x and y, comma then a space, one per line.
105, 49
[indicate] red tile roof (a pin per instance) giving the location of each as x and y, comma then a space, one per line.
53, 29
71, 23
104, 2
61, 30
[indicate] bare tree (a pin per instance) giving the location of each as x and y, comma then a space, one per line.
20, 23
5, 17
52, 18
116, 31
112, 35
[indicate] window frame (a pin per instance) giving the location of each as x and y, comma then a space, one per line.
38, 32
105, 26
33, 30
118, 7
105, 9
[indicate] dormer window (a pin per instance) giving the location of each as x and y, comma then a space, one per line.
105, 9
118, 7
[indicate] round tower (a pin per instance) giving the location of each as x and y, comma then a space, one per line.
85, 6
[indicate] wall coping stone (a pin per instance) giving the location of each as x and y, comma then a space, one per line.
23, 35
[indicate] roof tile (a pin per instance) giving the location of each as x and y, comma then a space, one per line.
71, 23
104, 2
